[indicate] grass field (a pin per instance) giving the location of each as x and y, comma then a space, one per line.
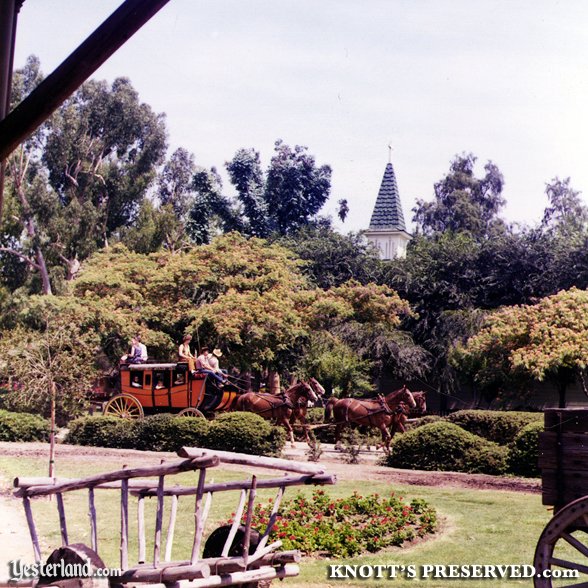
477, 526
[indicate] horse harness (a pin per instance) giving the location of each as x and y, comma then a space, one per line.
384, 408
285, 402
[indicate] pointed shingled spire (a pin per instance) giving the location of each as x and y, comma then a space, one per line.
388, 215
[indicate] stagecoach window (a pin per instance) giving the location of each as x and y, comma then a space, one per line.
161, 379
137, 379
147, 379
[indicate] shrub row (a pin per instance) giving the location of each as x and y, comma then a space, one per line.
444, 446
21, 426
501, 427
237, 431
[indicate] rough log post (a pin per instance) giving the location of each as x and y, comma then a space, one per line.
38, 106
158, 522
33, 532
199, 523
124, 525
141, 528
124, 474
249, 516
253, 460
169, 540
93, 522
62, 521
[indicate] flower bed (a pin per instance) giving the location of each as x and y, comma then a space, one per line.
345, 527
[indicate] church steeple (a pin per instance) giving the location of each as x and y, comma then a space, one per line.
388, 213
387, 229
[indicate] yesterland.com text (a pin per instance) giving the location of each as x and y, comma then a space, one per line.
17, 570
439, 572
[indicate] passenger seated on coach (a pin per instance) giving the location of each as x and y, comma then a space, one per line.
138, 353
184, 353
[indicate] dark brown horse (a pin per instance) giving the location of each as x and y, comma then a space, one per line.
299, 412
278, 407
378, 412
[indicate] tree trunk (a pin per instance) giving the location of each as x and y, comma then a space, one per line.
44, 271
273, 382
562, 387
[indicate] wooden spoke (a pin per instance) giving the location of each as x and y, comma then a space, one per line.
559, 548
190, 412
124, 406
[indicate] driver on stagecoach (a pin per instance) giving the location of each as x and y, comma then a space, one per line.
203, 366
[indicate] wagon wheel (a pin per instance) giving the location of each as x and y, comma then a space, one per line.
563, 546
190, 412
124, 406
75, 554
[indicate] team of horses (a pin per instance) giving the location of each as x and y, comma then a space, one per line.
388, 413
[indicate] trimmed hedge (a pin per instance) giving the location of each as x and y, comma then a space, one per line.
245, 432
102, 431
523, 456
22, 426
501, 427
444, 446
242, 432
166, 432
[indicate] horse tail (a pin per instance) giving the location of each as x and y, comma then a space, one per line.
329, 409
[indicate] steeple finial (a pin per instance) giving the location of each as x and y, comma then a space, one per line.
389, 152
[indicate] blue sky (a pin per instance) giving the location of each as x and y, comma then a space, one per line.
506, 80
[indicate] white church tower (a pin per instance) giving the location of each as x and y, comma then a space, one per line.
387, 229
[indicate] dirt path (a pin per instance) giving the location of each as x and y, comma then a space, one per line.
14, 537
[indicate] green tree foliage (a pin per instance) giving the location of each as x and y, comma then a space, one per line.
333, 259
462, 201
520, 344
244, 295
82, 177
566, 214
55, 359
284, 199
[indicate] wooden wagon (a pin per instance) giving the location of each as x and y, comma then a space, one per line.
563, 460
163, 387
238, 559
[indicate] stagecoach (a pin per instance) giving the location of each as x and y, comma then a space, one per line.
148, 388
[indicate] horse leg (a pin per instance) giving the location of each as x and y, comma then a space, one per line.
289, 430
338, 429
386, 438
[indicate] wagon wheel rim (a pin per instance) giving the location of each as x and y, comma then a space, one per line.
124, 407
563, 545
190, 412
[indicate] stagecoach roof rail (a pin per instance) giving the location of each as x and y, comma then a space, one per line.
153, 366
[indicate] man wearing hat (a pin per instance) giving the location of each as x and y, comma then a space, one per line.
213, 361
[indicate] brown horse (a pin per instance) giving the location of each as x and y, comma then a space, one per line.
299, 412
378, 412
278, 407
401, 416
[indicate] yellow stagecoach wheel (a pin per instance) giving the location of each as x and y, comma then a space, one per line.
124, 406
190, 412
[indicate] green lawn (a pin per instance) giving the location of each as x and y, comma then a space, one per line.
478, 526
